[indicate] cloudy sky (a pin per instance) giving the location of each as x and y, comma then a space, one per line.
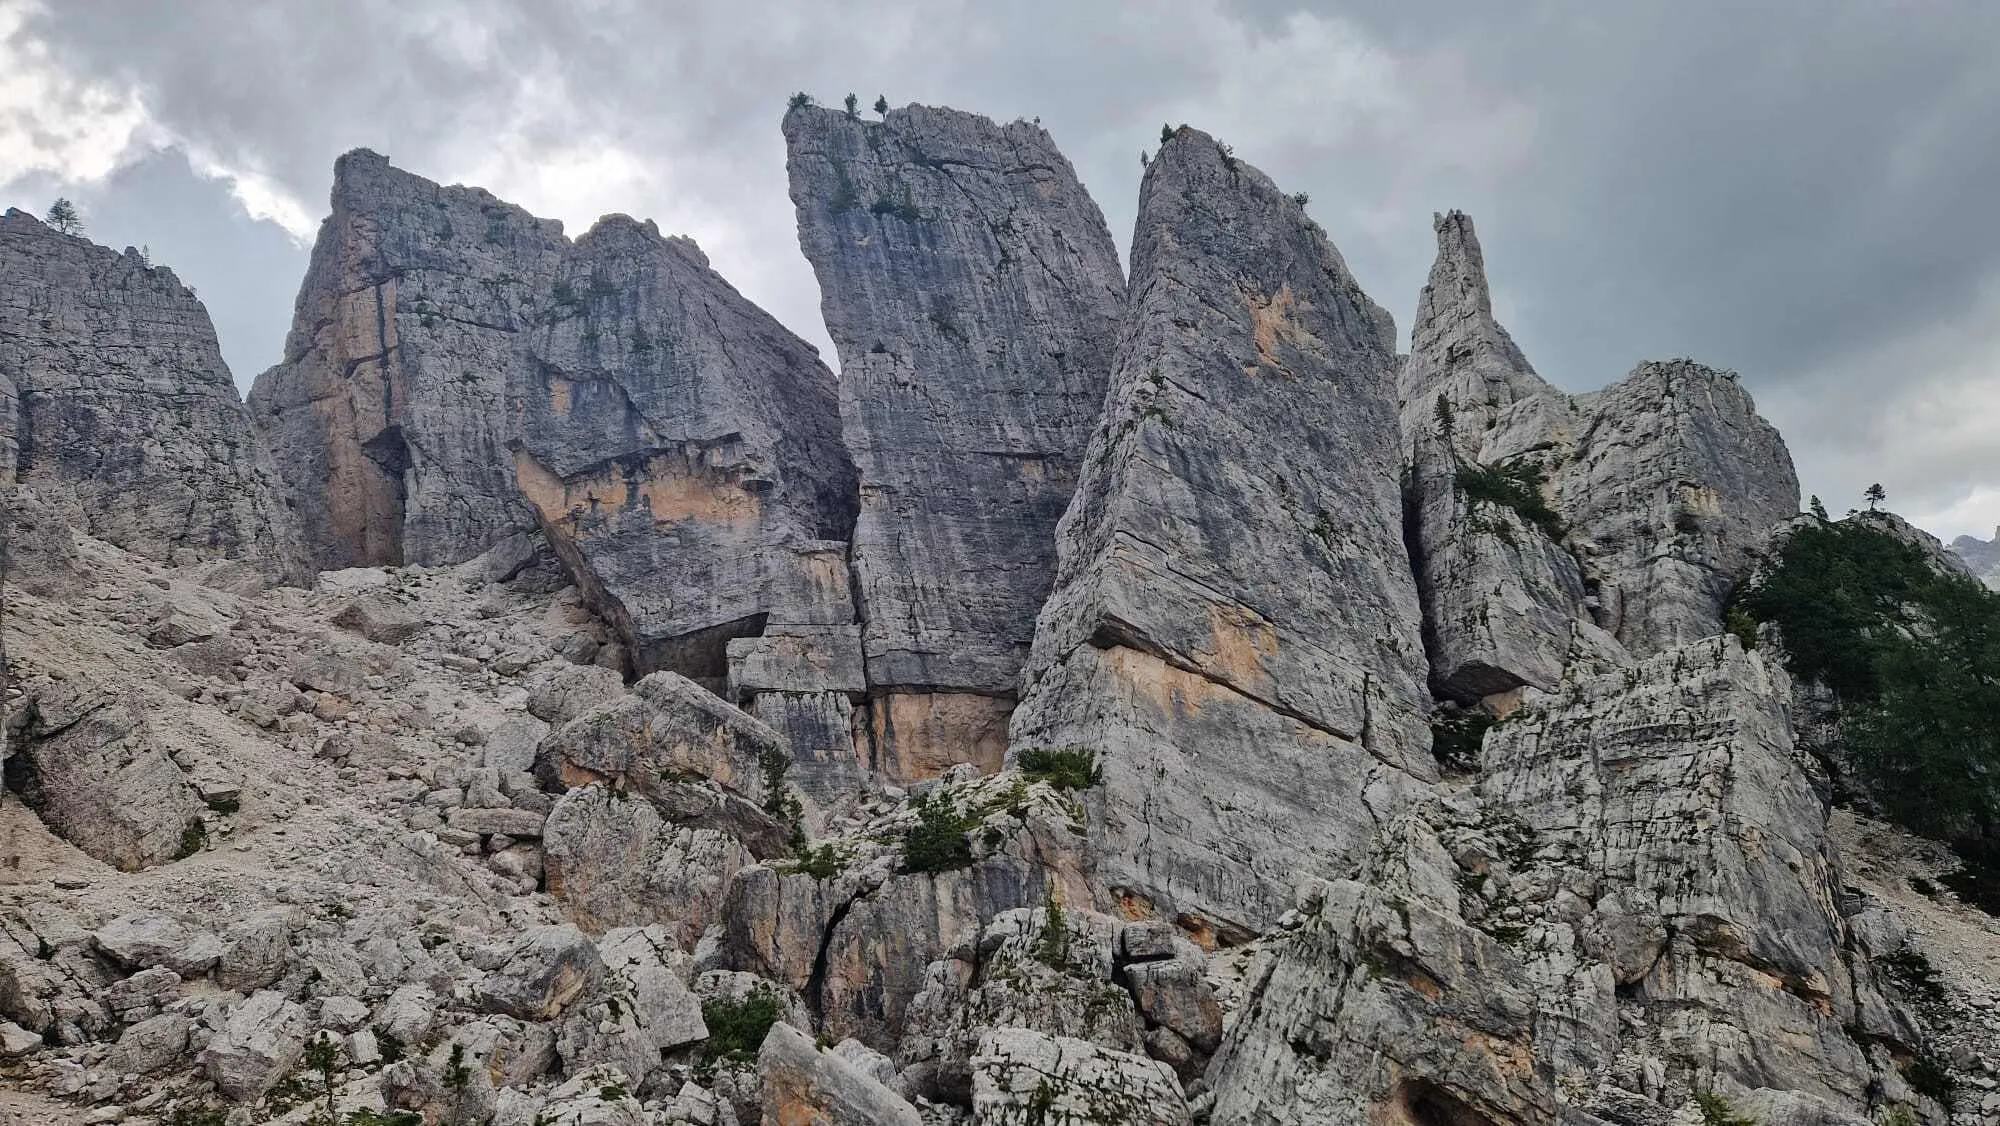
1802, 192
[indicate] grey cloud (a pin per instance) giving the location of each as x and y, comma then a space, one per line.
1790, 189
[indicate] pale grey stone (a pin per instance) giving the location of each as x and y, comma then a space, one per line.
101, 351
803, 1084
259, 1044
142, 941
973, 290
89, 763
1234, 613
1021, 1078
152, 1045
549, 967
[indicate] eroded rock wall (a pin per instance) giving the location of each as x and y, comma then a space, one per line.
973, 292
114, 396
1234, 611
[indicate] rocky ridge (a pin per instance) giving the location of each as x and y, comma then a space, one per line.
460, 371
1552, 530
1295, 823
114, 400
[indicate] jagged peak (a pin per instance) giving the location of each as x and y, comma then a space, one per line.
1458, 349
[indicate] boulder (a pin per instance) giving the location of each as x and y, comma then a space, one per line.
260, 1043
256, 950
640, 1010
142, 941
810, 1087
560, 693
150, 1046
549, 967
1022, 1078
381, 618
613, 861
90, 764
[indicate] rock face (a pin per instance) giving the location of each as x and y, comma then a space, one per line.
1234, 611
459, 371
1636, 509
1981, 556
682, 450
1638, 902
388, 414
972, 290
90, 765
113, 395
1674, 484
809, 1087
1503, 598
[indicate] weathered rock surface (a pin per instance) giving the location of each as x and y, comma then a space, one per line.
388, 414
1638, 902
459, 370
809, 1087
973, 292
113, 394
1665, 485
612, 860
1235, 612
682, 450
258, 1045
90, 765
1503, 598
546, 970
1982, 557
1021, 1078
1674, 484
640, 1011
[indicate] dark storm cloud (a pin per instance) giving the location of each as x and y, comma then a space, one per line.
1790, 189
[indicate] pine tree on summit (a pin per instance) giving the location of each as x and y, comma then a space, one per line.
63, 217
1875, 495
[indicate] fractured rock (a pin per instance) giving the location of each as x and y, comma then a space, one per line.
614, 861
548, 968
973, 291
92, 768
1021, 1078
1234, 611
142, 941
809, 1087
115, 395
682, 452
260, 1043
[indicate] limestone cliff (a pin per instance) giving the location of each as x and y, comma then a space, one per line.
114, 396
388, 415
1234, 612
973, 291
459, 370
1543, 523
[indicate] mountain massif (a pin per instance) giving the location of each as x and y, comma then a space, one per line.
556, 697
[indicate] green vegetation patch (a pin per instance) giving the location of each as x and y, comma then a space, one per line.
737, 1025
937, 842
1065, 768
1516, 485
1912, 656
